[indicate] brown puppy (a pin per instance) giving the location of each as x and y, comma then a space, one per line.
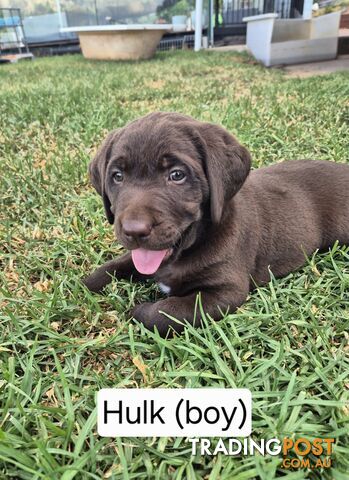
181, 198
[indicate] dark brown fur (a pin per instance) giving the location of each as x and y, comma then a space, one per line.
227, 226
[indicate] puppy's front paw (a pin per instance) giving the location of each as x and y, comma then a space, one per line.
149, 314
91, 284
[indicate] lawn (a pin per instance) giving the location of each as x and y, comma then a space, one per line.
60, 344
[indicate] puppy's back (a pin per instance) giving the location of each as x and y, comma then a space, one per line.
314, 192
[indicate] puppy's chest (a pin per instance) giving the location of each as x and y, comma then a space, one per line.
164, 288
170, 281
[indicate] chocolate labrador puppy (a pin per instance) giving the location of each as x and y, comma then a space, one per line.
182, 199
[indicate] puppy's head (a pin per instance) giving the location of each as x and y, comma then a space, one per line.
163, 175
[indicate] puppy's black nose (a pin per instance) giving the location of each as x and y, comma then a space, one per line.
136, 229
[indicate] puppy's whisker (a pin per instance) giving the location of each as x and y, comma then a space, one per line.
179, 239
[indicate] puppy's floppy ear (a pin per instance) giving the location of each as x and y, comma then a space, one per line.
227, 166
97, 169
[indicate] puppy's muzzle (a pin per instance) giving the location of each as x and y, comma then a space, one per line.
136, 229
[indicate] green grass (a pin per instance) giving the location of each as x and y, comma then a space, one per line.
60, 344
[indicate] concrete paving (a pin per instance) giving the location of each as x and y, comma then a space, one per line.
304, 70
229, 48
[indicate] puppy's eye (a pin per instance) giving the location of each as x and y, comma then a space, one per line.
177, 176
118, 176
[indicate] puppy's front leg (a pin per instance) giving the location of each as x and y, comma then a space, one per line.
121, 268
181, 308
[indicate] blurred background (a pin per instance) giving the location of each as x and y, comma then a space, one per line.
41, 21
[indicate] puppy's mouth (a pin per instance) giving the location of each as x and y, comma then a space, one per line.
148, 262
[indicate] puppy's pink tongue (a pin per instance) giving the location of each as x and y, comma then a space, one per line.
147, 261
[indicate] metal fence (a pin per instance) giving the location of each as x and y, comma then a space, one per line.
232, 12
184, 43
